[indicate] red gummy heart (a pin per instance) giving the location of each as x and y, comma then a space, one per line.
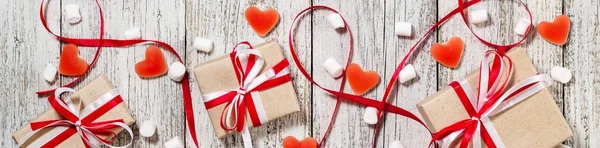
448, 54
70, 64
557, 31
292, 142
154, 65
361, 81
261, 21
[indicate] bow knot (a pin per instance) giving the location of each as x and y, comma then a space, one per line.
241, 91
490, 100
80, 121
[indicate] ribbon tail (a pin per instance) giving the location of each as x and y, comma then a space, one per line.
246, 137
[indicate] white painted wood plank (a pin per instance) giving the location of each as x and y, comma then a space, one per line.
224, 23
581, 97
25, 49
407, 95
157, 98
366, 21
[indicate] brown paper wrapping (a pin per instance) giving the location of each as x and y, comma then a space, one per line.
218, 74
87, 94
535, 122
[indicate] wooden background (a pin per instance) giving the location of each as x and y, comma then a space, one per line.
26, 48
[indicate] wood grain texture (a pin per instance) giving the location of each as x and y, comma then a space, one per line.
25, 49
224, 23
581, 96
407, 95
365, 20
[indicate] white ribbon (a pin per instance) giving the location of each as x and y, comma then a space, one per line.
82, 130
247, 83
541, 81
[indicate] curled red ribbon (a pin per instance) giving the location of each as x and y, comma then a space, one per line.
101, 42
383, 106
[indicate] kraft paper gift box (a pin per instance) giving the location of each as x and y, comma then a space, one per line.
90, 92
536, 122
218, 74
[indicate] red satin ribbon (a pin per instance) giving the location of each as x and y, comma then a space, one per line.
246, 102
86, 121
101, 42
383, 105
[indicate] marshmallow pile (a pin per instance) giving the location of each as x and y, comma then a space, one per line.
403, 29
370, 115
397, 144
72, 13
50, 73
336, 21
148, 128
202, 44
333, 68
561, 74
133, 33
478, 16
176, 71
174, 143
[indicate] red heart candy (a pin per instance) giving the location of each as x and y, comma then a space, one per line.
261, 21
292, 142
154, 65
557, 31
70, 64
361, 81
448, 54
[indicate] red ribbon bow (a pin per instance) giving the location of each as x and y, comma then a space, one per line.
490, 100
247, 65
79, 121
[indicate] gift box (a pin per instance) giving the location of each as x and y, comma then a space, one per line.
219, 75
534, 122
97, 88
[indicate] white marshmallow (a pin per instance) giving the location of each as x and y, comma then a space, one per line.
148, 128
521, 26
202, 44
370, 115
50, 73
561, 74
72, 13
478, 16
336, 21
403, 29
133, 33
333, 67
176, 71
397, 144
174, 143
407, 73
